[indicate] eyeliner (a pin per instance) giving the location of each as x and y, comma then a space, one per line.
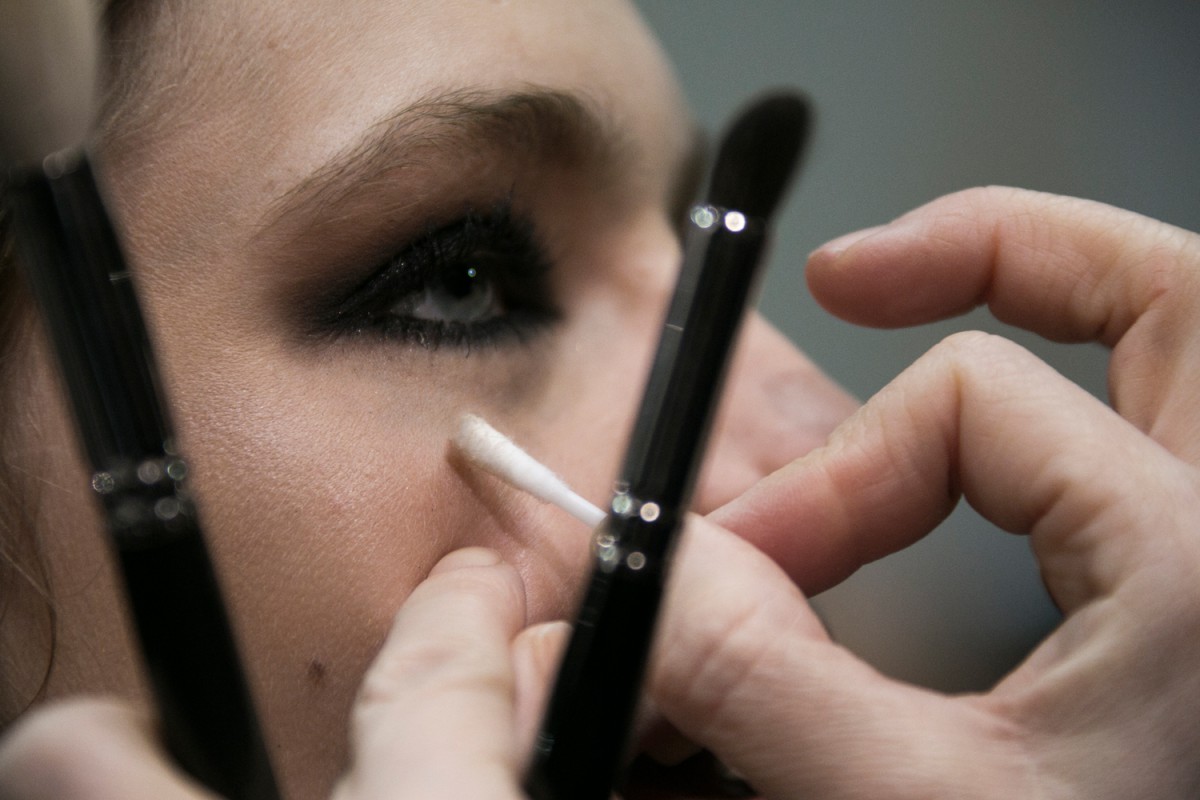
77, 274
582, 744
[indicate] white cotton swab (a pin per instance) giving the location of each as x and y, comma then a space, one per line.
487, 448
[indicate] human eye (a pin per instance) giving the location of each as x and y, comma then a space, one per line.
481, 280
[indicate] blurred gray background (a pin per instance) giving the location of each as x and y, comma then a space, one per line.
916, 99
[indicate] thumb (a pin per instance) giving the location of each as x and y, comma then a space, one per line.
434, 716
745, 668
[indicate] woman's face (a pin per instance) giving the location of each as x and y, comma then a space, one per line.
351, 223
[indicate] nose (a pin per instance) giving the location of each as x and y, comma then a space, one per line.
778, 406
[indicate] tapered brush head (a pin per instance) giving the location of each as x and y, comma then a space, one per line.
48, 57
760, 154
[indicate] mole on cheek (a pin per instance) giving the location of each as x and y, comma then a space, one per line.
316, 673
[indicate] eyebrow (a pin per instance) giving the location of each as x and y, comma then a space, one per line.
553, 126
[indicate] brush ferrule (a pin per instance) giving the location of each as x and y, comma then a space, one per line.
710, 218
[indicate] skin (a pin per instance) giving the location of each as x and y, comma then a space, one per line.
321, 464
1106, 707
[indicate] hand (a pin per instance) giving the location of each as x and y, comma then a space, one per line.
439, 713
1108, 705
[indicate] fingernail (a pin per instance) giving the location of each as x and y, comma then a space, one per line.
466, 558
844, 243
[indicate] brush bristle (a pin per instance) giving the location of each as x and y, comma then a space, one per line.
48, 58
760, 153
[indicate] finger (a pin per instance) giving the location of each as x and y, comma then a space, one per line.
537, 651
1067, 269
93, 749
745, 668
434, 717
778, 406
1032, 452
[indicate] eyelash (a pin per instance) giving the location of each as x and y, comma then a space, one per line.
507, 261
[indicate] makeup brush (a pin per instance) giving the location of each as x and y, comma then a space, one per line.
72, 261
581, 746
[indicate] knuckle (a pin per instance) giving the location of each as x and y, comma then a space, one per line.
484, 588
967, 343
721, 657
980, 354
452, 636
419, 668
1169, 262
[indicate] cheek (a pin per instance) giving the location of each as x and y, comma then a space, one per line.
329, 491
327, 501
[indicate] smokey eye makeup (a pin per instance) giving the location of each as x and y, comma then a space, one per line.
482, 280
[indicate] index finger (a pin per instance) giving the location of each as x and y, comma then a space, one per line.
981, 416
1068, 269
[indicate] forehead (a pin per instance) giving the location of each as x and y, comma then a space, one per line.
298, 79
243, 98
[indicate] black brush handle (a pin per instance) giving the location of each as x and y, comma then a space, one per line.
76, 271
581, 746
